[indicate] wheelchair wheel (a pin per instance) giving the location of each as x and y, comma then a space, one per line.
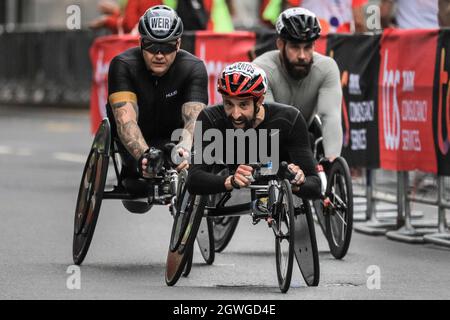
177, 259
188, 267
319, 211
223, 230
305, 248
283, 215
183, 204
205, 237
89, 200
223, 227
339, 217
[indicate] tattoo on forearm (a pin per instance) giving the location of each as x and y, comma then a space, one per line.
129, 132
190, 112
132, 138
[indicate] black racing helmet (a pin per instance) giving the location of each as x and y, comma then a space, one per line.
160, 24
298, 25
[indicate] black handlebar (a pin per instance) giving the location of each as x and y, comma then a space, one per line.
159, 159
282, 173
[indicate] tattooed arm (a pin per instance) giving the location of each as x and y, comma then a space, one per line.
190, 111
126, 115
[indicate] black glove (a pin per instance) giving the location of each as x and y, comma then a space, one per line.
155, 161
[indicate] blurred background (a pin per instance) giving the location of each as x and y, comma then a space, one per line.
51, 14
48, 54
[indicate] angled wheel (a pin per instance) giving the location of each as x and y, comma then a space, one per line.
283, 215
205, 237
320, 217
182, 204
305, 248
90, 193
188, 267
339, 215
223, 227
193, 209
317, 143
223, 231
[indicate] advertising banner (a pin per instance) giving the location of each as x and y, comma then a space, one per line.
103, 50
358, 59
406, 100
441, 114
220, 49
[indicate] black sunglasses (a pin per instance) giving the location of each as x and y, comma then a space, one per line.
155, 47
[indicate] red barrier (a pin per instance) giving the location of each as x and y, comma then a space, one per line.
321, 44
219, 50
406, 83
406, 100
216, 49
103, 50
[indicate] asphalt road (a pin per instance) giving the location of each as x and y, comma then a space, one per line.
42, 153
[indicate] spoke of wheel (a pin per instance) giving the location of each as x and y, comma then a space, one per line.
344, 226
340, 217
338, 199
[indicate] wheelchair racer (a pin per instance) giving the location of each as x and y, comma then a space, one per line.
243, 87
154, 89
303, 78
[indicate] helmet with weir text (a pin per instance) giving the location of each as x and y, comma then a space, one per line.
160, 24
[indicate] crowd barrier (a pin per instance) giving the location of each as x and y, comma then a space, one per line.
396, 103
45, 68
216, 50
396, 110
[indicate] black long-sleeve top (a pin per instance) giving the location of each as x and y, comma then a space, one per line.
294, 147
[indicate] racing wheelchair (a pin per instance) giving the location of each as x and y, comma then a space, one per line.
289, 217
334, 212
137, 195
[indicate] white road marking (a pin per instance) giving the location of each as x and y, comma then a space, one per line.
24, 152
27, 152
6, 150
71, 157
225, 265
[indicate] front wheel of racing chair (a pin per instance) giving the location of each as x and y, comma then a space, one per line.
188, 211
223, 227
336, 217
282, 212
90, 193
339, 212
187, 218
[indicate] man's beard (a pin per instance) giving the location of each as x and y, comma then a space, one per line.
296, 73
243, 120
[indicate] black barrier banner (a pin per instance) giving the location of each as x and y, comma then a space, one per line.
50, 67
441, 103
265, 41
358, 59
188, 41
